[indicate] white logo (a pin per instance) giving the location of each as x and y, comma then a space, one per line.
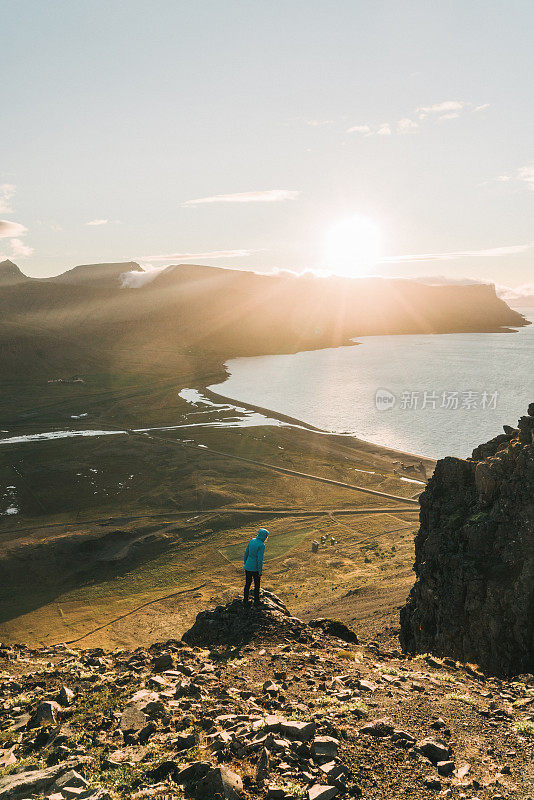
384, 399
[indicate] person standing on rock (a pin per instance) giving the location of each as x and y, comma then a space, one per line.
254, 565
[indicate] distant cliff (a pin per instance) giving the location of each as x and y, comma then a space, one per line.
474, 557
89, 316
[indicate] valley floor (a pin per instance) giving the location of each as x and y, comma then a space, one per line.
108, 524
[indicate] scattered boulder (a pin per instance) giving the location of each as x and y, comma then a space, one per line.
366, 686
162, 662
7, 757
71, 779
133, 719
434, 750
324, 749
193, 772
148, 702
185, 741
45, 714
334, 627
378, 727
320, 792
276, 793
220, 782
263, 765
165, 770
336, 774
66, 696
402, 737
303, 731
23, 784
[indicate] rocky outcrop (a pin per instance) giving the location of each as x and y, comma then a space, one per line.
234, 624
474, 557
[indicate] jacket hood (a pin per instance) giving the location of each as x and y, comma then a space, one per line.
262, 534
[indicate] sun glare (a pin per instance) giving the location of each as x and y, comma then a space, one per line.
352, 246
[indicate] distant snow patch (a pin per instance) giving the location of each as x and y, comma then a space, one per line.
40, 437
10, 498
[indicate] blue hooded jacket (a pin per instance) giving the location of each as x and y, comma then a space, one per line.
254, 552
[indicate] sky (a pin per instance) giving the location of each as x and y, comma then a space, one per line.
385, 137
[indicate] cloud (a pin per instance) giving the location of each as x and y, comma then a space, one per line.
20, 249
7, 191
444, 280
515, 293
438, 112
523, 175
135, 279
98, 222
10, 229
492, 252
448, 109
405, 125
365, 129
269, 196
384, 130
207, 255
444, 108
526, 174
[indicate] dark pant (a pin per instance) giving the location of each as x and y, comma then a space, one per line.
248, 581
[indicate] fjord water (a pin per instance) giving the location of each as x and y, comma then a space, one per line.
335, 389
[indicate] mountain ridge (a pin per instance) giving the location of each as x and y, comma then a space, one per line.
189, 315
10, 273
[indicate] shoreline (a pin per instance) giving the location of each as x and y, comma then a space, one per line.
362, 444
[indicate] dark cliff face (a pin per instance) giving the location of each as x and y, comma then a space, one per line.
474, 557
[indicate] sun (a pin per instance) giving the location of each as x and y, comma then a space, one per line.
352, 246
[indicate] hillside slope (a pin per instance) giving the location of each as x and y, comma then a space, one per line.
289, 710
